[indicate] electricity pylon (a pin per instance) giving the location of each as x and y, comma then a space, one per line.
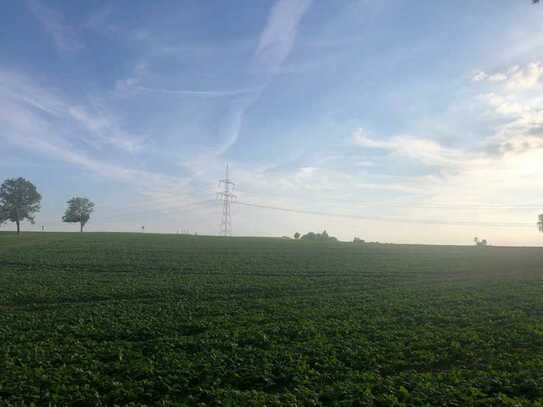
227, 196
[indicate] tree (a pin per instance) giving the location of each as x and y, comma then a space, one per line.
539, 223
319, 236
19, 200
480, 242
3, 216
357, 240
297, 235
78, 211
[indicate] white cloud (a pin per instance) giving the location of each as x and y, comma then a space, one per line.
497, 77
520, 113
503, 104
479, 76
426, 151
492, 181
525, 78
516, 78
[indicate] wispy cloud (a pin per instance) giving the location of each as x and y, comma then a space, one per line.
63, 35
277, 38
94, 127
493, 175
26, 129
274, 46
426, 151
199, 93
105, 130
99, 20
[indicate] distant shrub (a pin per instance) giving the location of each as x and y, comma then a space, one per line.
324, 236
357, 240
480, 242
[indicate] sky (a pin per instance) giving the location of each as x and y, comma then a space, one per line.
390, 120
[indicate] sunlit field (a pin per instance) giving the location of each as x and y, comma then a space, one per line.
140, 319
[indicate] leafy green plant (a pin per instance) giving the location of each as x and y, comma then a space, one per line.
132, 319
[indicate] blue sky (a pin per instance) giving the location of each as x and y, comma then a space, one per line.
425, 119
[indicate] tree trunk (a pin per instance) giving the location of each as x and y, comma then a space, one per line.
18, 227
81, 230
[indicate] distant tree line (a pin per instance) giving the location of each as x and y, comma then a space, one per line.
323, 237
20, 201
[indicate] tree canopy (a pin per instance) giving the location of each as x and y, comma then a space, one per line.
19, 201
78, 211
319, 236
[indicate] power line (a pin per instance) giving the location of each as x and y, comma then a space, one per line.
169, 208
124, 215
387, 219
227, 197
143, 204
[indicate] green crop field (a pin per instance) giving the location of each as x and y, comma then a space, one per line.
135, 319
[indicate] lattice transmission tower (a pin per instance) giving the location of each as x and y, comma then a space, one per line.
227, 197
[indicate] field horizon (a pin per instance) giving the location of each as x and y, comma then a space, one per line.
284, 238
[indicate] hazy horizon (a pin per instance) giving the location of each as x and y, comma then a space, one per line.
413, 122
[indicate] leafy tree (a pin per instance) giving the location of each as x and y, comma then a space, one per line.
539, 223
19, 200
3, 216
319, 236
78, 211
309, 236
297, 235
480, 242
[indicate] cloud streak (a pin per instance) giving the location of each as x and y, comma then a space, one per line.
277, 38
425, 151
199, 93
274, 46
93, 128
